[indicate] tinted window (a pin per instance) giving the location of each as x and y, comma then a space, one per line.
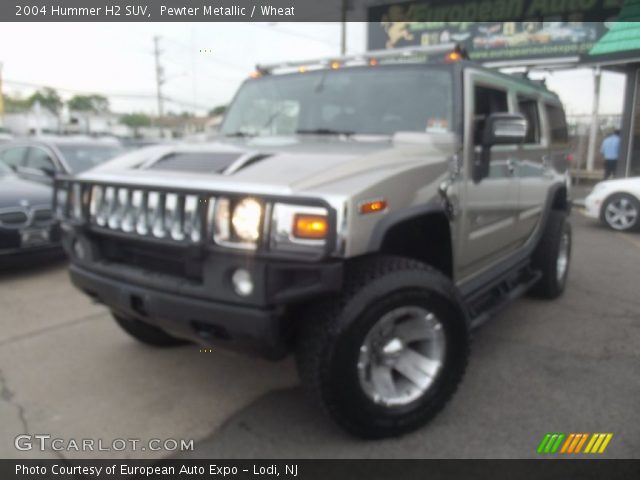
13, 156
529, 108
557, 124
362, 100
487, 101
39, 159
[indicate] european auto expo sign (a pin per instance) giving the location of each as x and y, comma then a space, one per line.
500, 30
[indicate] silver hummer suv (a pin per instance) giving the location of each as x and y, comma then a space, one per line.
364, 212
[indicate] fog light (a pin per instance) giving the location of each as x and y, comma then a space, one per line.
242, 282
79, 250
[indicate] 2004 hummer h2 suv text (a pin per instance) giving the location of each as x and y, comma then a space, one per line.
363, 212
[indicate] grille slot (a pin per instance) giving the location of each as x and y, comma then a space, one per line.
43, 216
176, 217
14, 219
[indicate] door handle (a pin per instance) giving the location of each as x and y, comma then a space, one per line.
511, 166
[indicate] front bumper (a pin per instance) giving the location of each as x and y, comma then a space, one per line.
592, 206
205, 308
13, 253
260, 330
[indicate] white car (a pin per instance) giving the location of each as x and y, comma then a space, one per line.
616, 203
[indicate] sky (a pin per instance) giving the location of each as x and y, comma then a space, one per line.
204, 63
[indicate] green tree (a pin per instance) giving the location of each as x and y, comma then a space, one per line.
135, 121
219, 110
89, 103
48, 99
15, 104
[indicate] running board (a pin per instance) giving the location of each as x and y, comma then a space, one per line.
484, 305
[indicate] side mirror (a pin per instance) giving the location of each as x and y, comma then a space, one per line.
48, 171
504, 129
499, 129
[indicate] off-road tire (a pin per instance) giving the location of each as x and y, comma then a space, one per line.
147, 334
332, 331
545, 257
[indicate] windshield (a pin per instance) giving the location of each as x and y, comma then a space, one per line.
81, 157
358, 100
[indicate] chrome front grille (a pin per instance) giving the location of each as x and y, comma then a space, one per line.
162, 215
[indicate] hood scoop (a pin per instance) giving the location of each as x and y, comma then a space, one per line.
197, 162
225, 163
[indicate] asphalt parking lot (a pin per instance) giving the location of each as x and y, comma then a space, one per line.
571, 365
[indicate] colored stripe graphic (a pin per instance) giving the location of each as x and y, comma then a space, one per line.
573, 443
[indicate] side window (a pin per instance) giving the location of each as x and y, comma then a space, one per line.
39, 159
557, 124
529, 108
487, 100
14, 156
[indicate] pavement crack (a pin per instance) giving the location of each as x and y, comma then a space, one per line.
7, 395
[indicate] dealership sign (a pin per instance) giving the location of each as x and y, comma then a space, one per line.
504, 30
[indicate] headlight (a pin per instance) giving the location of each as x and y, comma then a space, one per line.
246, 219
240, 229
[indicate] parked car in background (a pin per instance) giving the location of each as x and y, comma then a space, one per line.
5, 135
616, 203
40, 159
27, 221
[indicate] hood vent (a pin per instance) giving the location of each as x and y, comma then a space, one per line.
198, 162
244, 162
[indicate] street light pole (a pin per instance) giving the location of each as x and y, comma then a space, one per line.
593, 132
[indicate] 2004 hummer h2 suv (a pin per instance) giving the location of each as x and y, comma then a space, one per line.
363, 212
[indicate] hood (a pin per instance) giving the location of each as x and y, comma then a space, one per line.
285, 164
621, 183
15, 192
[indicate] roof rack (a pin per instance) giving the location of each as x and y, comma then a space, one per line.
362, 58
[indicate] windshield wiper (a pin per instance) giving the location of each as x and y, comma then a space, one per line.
323, 131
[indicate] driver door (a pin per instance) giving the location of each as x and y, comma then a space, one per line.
490, 206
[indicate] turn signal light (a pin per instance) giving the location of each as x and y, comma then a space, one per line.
373, 206
453, 57
310, 226
335, 65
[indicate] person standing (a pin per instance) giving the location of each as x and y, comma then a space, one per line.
610, 150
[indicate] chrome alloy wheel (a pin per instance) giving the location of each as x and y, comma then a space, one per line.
401, 356
621, 214
562, 263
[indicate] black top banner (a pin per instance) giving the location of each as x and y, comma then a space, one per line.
442, 11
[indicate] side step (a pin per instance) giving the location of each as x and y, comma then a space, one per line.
487, 303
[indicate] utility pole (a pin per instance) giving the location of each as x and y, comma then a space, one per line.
343, 27
159, 75
593, 132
